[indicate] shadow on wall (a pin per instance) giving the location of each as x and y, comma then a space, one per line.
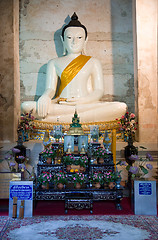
57, 38
41, 78
41, 85
122, 53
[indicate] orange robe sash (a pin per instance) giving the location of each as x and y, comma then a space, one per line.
71, 71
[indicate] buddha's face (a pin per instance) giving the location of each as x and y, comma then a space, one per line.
74, 39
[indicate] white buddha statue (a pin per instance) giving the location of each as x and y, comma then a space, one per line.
81, 86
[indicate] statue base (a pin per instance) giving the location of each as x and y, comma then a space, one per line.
76, 131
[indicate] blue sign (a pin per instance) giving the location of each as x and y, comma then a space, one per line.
22, 192
145, 189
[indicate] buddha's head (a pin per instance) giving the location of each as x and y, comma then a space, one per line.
74, 23
74, 36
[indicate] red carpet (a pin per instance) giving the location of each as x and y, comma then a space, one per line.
49, 208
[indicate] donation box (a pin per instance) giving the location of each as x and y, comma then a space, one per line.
145, 202
20, 197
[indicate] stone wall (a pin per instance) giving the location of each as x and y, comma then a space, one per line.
146, 25
109, 25
9, 69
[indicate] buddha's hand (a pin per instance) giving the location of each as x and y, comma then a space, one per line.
43, 105
74, 101
68, 101
92, 97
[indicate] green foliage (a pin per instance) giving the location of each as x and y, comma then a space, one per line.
49, 153
140, 167
68, 159
60, 177
100, 152
97, 177
78, 178
82, 161
112, 176
44, 178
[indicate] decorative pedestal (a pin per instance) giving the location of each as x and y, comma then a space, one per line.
78, 198
78, 201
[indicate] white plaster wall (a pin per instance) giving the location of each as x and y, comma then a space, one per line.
109, 25
146, 16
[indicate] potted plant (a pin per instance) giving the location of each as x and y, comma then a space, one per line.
101, 154
68, 160
128, 127
82, 161
97, 179
10, 157
111, 178
48, 154
78, 179
44, 179
60, 179
16, 162
140, 168
26, 125
142, 188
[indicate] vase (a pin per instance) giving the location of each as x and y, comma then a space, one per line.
82, 169
68, 168
49, 160
107, 140
78, 185
118, 185
111, 185
22, 152
60, 186
59, 161
106, 185
130, 149
97, 185
45, 186
100, 160
12, 169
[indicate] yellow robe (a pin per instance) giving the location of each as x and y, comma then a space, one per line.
71, 71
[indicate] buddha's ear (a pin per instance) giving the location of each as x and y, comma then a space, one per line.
64, 49
85, 46
61, 37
